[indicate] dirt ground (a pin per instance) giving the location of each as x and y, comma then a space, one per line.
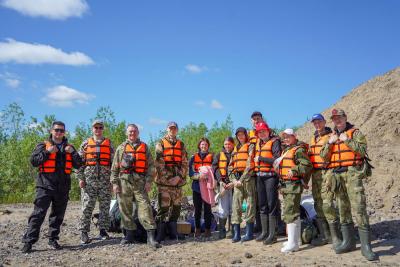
183, 253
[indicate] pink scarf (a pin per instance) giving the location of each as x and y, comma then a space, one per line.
207, 185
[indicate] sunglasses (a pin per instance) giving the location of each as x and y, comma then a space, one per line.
99, 128
58, 130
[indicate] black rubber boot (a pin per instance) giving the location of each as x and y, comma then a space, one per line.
349, 241
27, 248
272, 233
172, 230
236, 233
221, 228
365, 240
103, 235
324, 236
335, 234
150, 239
128, 239
160, 231
85, 238
264, 225
249, 232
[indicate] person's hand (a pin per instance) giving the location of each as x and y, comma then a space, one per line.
333, 139
52, 149
147, 187
82, 183
229, 186
256, 159
238, 184
276, 163
116, 189
343, 137
202, 176
69, 149
290, 174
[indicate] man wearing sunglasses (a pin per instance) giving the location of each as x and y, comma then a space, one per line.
94, 181
55, 159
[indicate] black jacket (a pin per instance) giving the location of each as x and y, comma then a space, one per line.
59, 180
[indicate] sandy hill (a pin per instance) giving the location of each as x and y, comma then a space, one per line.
374, 107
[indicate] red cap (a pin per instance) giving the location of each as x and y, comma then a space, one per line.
262, 126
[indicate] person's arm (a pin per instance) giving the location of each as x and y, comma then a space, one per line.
248, 171
184, 168
115, 167
326, 150
151, 170
112, 152
276, 152
215, 167
303, 163
192, 174
358, 143
77, 161
39, 155
82, 152
159, 164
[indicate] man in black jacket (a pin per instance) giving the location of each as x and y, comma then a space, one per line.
55, 159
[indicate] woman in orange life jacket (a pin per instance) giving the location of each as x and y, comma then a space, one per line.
245, 186
220, 166
293, 165
202, 158
267, 150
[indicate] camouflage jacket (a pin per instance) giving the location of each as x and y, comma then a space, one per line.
116, 171
93, 171
248, 172
303, 164
164, 173
358, 143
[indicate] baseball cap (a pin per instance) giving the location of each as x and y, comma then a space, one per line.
317, 116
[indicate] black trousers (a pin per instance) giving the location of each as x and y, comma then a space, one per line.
44, 198
199, 203
267, 192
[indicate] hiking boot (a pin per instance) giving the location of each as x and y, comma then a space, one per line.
53, 244
27, 248
85, 238
103, 235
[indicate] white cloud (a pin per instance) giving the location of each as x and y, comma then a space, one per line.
27, 53
215, 104
195, 68
11, 80
63, 96
157, 121
52, 9
200, 103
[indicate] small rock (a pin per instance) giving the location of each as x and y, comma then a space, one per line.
278, 265
236, 261
248, 255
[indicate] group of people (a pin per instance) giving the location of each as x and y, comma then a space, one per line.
254, 167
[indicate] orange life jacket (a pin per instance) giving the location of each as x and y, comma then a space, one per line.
342, 155
198, 162
239, 158
172, 154
98, 153
264, 151
253, 137
139, 164
49, 166
223, 164
315, 148
287, 163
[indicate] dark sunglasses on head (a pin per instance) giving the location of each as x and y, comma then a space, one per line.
99, 127
59, 130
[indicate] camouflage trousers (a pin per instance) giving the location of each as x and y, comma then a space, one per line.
169, 203
134, 190
291, 193
245, 192
317, 180
97, 188
349, 190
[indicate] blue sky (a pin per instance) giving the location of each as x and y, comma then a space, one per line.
155, 61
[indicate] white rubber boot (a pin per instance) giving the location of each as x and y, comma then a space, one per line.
292, 243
